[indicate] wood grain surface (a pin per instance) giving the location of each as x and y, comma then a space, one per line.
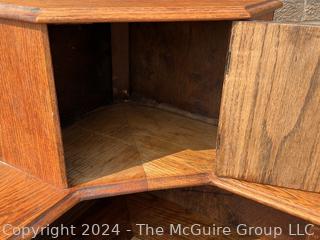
126, 143
186, 206
26, 201
302, 204
229, 209
133, 148
30, 133
270, 116
109, 211
71, 11
181, 64
147, 208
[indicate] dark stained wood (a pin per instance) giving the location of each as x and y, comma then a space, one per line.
270, 115
30, 133
71, 11
231, 210
187, 206
266, 17
316, 233
81, 56
181, 64
109, 211
26, 201
145, 208
120, 60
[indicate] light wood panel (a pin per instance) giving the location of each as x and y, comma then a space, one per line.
129, 147
295, 202
127, 144
270, 115
64, 11
28, 202
30, 133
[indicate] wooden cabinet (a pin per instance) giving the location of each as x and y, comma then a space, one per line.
105, 98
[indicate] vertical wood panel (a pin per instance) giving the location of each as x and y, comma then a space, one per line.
120, 59
270, 113
181, 64
29, 135
81, 56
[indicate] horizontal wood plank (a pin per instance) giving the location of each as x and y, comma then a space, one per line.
67, 11
295, 202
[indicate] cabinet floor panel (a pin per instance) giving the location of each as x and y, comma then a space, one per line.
131, 144
127, 148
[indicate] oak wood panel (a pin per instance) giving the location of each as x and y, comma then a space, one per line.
302, 204
180, 64
127, 148
131, 145
173, 149
270, 115
65, 11
26, 201
30, 132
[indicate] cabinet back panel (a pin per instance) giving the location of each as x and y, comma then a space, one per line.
181, 64
81, 56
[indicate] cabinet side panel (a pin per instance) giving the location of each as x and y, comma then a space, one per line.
270, 114
29, 127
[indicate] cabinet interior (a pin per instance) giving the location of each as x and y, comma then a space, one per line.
201, 207
165, 126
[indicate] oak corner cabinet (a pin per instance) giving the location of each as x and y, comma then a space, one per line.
105, 98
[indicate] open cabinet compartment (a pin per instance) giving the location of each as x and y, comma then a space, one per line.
164, 130
185, 213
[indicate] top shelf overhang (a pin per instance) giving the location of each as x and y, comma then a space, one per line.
83, 11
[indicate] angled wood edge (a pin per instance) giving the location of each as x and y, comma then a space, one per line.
126, 12
29, 202
51, 214
20, 13
140, 185
297, 203
257, 10
304, 205
110, 190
